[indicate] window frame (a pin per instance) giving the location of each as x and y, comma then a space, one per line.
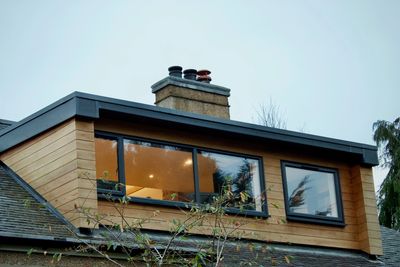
116, 194
309, 218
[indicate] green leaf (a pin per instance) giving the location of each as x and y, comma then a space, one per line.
29, 252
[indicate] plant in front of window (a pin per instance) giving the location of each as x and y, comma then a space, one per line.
237, 188
125, 235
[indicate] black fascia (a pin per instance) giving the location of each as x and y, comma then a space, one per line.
299, 217
89, 106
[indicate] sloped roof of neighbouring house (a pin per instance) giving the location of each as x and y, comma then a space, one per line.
25, 214
391, 246
93, 107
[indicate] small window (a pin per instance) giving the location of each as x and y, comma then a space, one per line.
312, 194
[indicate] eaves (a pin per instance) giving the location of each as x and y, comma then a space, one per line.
90, 106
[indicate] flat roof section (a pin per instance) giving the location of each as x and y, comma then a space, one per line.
88, 106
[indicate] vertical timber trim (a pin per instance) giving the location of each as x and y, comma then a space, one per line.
59, 164
86, 168
369, 233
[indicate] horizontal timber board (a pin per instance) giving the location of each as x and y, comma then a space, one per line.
38, 142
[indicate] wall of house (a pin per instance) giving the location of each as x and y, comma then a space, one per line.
60, 165
369, 233
361, 230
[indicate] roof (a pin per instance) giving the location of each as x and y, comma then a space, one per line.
391, 246
5, 123
25, 214
90, 106
245, 252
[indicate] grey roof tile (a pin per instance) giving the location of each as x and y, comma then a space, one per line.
22, 215
391, 246
251, 253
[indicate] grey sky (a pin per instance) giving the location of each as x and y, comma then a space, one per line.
332, 67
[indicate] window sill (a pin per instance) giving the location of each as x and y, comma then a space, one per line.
177, 204
315, 220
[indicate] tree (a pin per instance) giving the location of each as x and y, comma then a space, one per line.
271, 116
387, 138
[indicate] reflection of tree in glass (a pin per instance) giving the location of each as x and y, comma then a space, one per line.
238, 188
296, 199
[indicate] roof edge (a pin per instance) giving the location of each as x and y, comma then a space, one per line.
85, 105
8, 122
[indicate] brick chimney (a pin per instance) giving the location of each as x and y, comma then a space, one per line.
192, 93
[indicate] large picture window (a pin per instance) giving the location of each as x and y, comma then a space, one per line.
155, 172
312, 193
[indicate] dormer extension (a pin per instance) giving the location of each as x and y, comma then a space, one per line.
63, 151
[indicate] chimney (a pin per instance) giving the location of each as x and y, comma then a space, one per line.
192, 93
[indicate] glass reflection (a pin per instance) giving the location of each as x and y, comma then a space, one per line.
106, 163
158, 171
238, 177
311, 192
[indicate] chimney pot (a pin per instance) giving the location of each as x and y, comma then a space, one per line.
175, 71
190, 74
203, 76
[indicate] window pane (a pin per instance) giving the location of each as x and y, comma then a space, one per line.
158, 171
311, 192
106, 163
238, 175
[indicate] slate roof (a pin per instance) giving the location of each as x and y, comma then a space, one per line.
249, 253
24, 214
391, 246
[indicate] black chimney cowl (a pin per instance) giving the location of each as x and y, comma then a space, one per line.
175, 71
190, 74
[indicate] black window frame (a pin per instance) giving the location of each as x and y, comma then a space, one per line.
116, 194
309, 218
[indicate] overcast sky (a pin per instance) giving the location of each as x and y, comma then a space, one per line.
332, 67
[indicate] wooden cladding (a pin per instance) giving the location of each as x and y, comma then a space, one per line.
274, 228
369, 233
60, 165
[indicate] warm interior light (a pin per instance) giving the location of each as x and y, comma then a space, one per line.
151, 176
188, 162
